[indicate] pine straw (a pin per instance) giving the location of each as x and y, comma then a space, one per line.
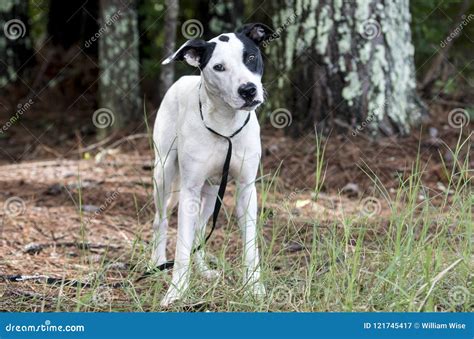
75, 245
48, 239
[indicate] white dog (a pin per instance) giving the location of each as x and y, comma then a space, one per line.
190, 154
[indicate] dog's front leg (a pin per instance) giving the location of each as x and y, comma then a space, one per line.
247, 215
188, 217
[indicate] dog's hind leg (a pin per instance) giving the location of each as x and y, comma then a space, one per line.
209, 194
163, 177
174, 196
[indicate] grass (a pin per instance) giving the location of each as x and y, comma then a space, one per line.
403, 250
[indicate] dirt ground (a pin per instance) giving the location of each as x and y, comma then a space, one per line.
80, 200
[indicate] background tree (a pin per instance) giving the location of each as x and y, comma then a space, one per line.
15, 42
225, 15
119, 79
347, 64
434, 70
169, 46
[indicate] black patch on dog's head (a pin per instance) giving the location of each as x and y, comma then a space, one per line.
252, 57
251, 36
224, 38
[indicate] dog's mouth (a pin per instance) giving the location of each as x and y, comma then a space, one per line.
251, 104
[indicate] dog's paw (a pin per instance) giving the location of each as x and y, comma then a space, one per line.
210, 275
171, 296
257, 290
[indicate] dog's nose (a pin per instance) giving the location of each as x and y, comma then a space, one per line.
247, 91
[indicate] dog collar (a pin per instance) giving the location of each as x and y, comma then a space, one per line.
213, 131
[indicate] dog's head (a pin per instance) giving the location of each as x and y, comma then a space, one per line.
231, 64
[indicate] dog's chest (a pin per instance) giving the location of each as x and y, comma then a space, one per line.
208, 157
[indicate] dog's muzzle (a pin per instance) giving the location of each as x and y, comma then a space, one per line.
251, 105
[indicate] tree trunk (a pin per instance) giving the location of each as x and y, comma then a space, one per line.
171, 23
119, 82
433, 72
349, 64
226, 16
15, 42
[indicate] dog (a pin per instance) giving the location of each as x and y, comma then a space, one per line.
189, 158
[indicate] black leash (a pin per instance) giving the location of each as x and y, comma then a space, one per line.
221, 192
225, 170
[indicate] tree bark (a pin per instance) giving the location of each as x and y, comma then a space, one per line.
119, 82
348, 64
15, 43
226, 16
171, 23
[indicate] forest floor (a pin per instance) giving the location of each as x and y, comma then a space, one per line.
384, 225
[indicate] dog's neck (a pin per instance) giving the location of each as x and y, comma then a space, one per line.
217, 113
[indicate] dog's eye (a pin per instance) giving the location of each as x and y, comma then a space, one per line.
219, 68
251, 58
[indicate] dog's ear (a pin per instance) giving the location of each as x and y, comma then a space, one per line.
195, 52
256, 32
